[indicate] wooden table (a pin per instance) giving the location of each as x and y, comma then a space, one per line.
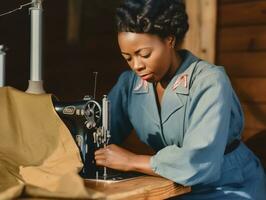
143, 187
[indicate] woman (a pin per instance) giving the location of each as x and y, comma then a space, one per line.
182, 107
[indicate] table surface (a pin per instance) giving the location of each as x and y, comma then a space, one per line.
143, 187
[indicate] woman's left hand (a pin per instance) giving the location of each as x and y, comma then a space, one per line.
115, 157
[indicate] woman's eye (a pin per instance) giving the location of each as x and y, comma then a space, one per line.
145, 55
128, 59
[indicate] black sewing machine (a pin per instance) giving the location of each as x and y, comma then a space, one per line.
88, 122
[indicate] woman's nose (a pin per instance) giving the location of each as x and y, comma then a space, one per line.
138, 65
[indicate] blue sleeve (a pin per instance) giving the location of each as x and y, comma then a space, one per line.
118, 96
200, 158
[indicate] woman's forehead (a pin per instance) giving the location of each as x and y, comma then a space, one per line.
129, 40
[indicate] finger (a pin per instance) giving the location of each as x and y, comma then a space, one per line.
99, 157
99, 151
101, 162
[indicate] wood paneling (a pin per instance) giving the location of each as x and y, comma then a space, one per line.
242, 13
256, 140
74, 19
200, 38
250, 132
246, 38
241, 49
243, 64
255, 116
222, 2
250, 90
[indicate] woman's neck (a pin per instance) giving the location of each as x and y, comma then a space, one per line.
175, 64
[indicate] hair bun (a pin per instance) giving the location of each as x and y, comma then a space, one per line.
160, 17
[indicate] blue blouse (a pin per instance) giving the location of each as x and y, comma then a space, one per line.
200, 115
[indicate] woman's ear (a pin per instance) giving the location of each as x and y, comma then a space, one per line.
171, 41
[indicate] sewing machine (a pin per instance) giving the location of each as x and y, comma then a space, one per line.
88, 122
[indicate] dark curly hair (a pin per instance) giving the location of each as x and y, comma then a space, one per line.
159, 17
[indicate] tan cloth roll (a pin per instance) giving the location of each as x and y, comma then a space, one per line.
37, 152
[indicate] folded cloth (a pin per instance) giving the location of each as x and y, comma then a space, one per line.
38, 156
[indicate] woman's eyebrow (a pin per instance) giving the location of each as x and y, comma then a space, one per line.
125, 53
137, 51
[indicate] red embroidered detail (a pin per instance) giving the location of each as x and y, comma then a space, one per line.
141, 84
181, 81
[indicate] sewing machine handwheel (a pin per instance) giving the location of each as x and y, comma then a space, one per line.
93, 113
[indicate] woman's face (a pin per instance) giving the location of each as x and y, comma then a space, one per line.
148, 55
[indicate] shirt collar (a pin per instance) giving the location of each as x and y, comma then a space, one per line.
180, 83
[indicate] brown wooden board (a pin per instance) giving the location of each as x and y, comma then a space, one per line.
241, 48
146, 187
201, 36
140, 188
255, 139
255, 116
246, 38
245, 13
251, 132
243, 64
234, 1
250, 90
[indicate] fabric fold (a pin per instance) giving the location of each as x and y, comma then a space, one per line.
38, 156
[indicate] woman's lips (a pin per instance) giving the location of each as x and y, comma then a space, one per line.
146, 76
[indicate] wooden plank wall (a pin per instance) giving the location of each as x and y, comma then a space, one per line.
201, 36
241, 48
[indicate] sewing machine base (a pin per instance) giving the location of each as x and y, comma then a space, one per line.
114, 175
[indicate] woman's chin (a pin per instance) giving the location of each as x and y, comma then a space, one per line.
150, 80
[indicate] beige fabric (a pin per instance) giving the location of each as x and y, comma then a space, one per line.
38, 156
